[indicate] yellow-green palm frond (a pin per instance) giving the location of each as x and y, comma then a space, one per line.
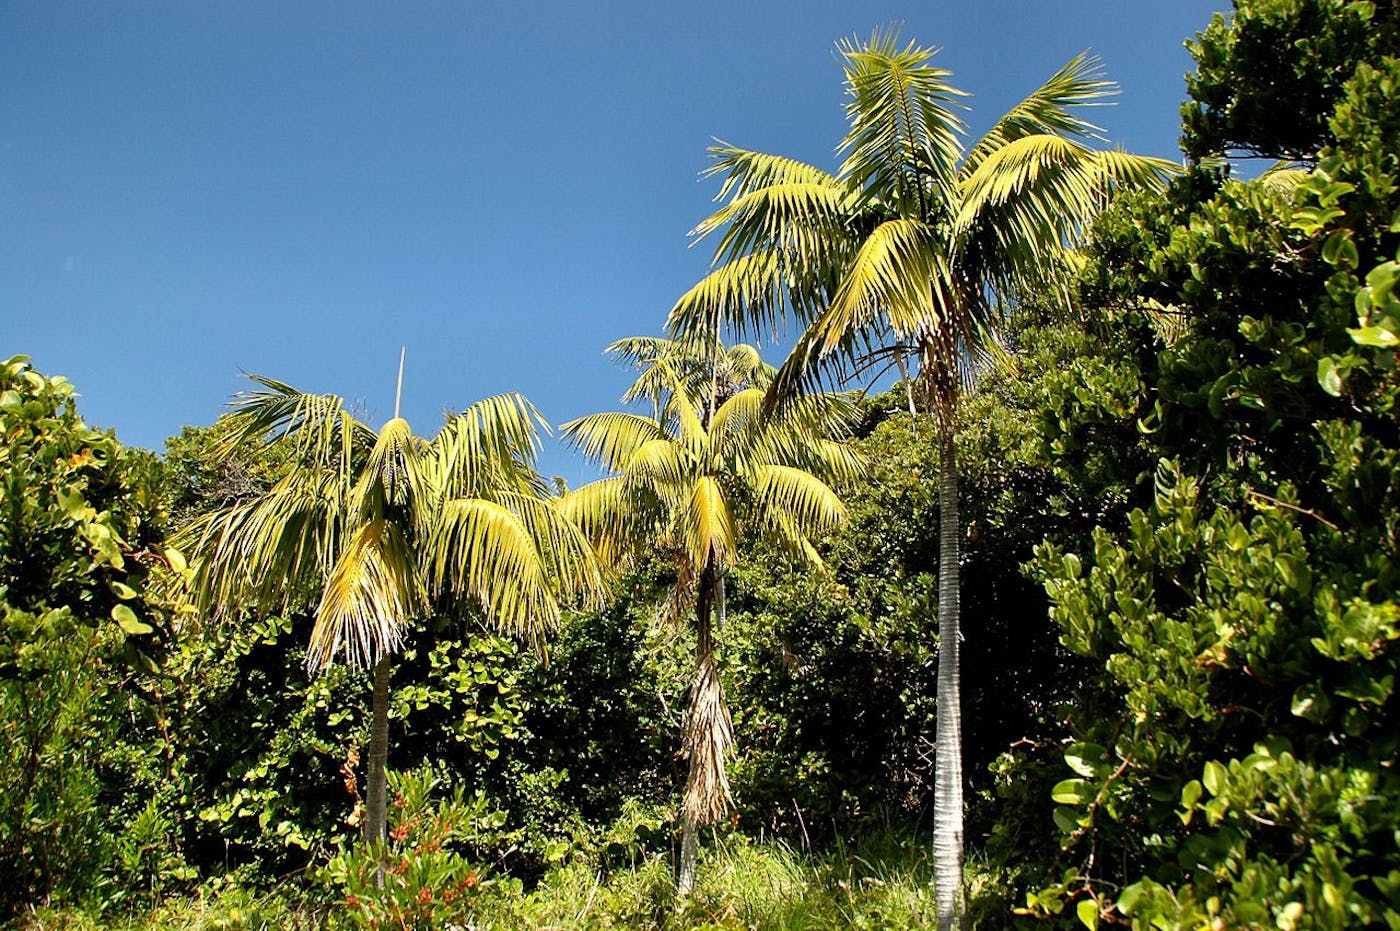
611, 439
640, 350
782, 532
394, 474
613, 516
1047, 172
372, 593
690, 432
904, 135
834, 461
744, 171
319, 428
808, 432
742, 364
1119, 169
484, 550
1058, 182
738, 416
899, 273
268, 552
569, 559
1031, 198
1050, 109
809, 370
1284, 177
800, 497
745, 294
493, 443
795, 218
705, 526
661, 466
668, 365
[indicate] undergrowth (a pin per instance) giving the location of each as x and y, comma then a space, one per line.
886, 882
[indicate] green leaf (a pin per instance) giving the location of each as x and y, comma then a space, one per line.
1087, 759
1066, 820
1128, 898
1190, 794
1214, 776
1072, 792
1339, 250
175, 558
1376, 336
1329, 377
1310, 703
1088, 912
122, 590
126, 618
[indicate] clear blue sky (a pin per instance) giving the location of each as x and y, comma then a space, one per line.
193, 189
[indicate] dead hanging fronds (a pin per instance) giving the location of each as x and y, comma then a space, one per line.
681, 601
708, 737
356, 818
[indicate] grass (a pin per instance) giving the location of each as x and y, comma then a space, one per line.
886, 882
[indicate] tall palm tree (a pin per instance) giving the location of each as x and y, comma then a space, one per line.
380, 529
692, 480
916, 245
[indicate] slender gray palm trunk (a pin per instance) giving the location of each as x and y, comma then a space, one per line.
947, 777
708, 734
376, 786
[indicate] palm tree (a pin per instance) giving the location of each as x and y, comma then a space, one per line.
692, 480
915, 246
378, 530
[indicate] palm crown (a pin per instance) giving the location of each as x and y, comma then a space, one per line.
707, 467
918, 239
376, 526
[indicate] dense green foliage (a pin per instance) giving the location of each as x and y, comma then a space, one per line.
1179, 585
1269, 76
76, 639
1232, 759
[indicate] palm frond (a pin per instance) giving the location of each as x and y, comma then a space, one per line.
484, 550
900, 273
563, 547
745, 294
268, 552
744, 171
736, 417
319, 428
493, 443
1054, 183
705, 525
612, 516
904, 136
801, 497
1049, 109
611, 439
661, 467
373, 591
1284, 177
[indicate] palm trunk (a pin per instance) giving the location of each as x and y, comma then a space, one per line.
690, 848
947, 777
376, 786
708, 735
